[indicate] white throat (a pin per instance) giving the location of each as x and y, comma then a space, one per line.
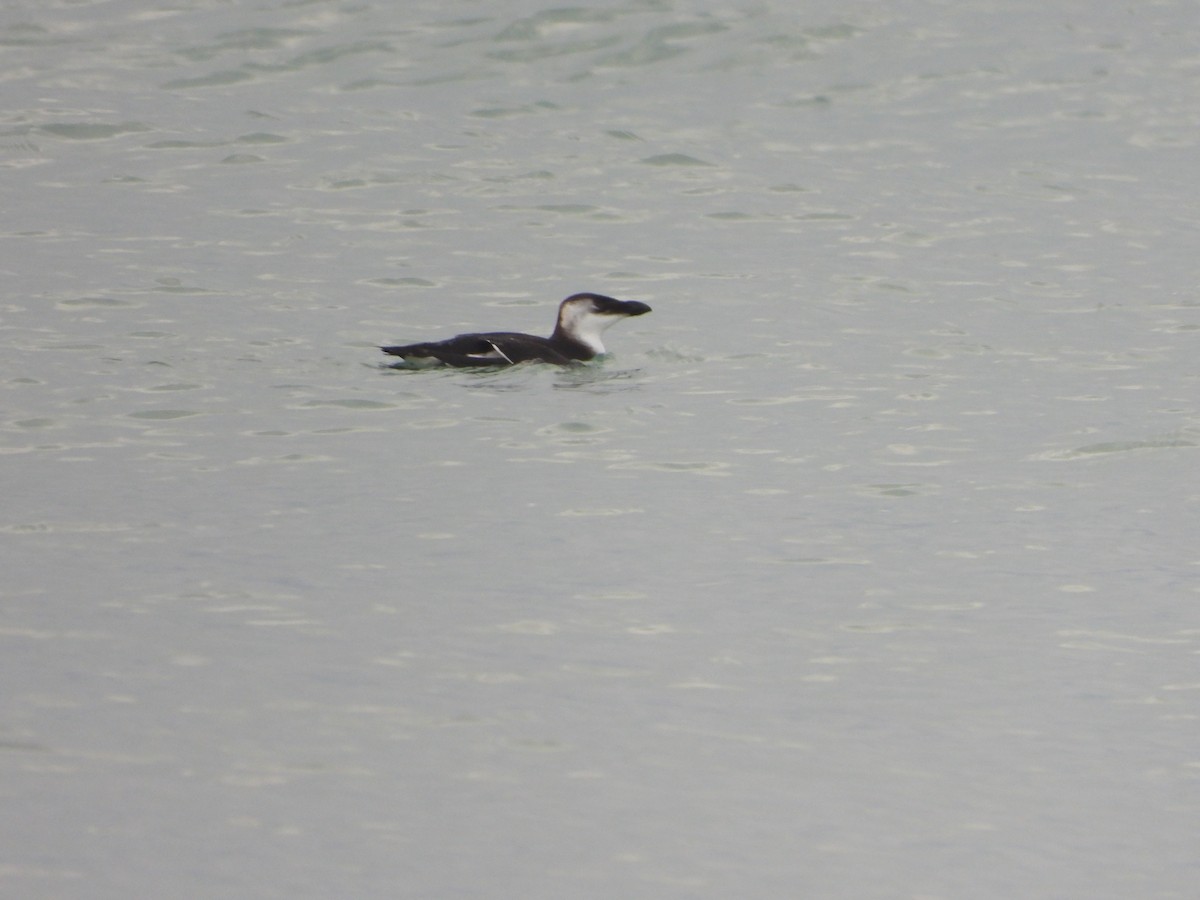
586, 325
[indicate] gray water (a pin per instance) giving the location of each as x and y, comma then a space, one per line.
864, 567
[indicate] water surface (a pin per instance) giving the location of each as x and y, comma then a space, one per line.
864, 567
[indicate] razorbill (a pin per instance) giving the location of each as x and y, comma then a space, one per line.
582, 318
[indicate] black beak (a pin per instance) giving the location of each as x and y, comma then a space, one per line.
634, 308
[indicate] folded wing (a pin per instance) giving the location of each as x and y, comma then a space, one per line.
493, 349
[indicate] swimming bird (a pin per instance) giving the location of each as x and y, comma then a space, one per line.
582, 318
